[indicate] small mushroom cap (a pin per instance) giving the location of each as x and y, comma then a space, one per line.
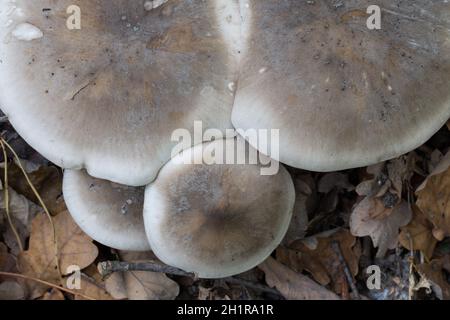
216, 220
342, 95
107, 212
108, 97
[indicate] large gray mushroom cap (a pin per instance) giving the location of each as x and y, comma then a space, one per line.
216, 220
109, 213
342, 95
108, 97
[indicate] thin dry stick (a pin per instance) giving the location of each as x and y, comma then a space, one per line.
21, 276
411, 278
108, 267
6, 200
38, 196
337, 249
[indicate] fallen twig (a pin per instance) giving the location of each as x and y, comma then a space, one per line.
348, 275
108, 267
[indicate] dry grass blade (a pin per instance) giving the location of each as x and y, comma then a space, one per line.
21, 276
38, 196
6, 190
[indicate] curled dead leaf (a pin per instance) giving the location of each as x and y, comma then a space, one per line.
53, 294
74, 248
292, 285
433, 272
46, 179
22, 212
384, 231
93, 289
418, 234
12, 290
304, 204
139, 285
317, 256
433, 197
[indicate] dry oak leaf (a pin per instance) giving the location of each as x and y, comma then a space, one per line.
433, 198
96, 290
316, 255
418, 234
140, 285
304, 203
433, 272
53, 294
7, 260
89, 288
74, 248
11, 290
46, 179
20, 208
384, 229
22, 212
292, 285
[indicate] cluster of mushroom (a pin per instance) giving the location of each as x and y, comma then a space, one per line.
107, 98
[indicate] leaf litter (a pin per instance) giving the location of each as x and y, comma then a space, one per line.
394, 215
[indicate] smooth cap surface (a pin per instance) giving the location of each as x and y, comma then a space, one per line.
108, 97
216, 220
107, 212
343, 95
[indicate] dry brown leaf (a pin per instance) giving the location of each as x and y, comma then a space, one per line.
74, 248
292, 285
335, 180
20, 207
317, 256
11, 290
46, 179
384, 229
141, 285
7, 261
304, 203
93, 289
381, 212
138, 285
22, 212
433, 197
205, 294
400, 170
435, 159
53, 294
418, 234
433, 272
